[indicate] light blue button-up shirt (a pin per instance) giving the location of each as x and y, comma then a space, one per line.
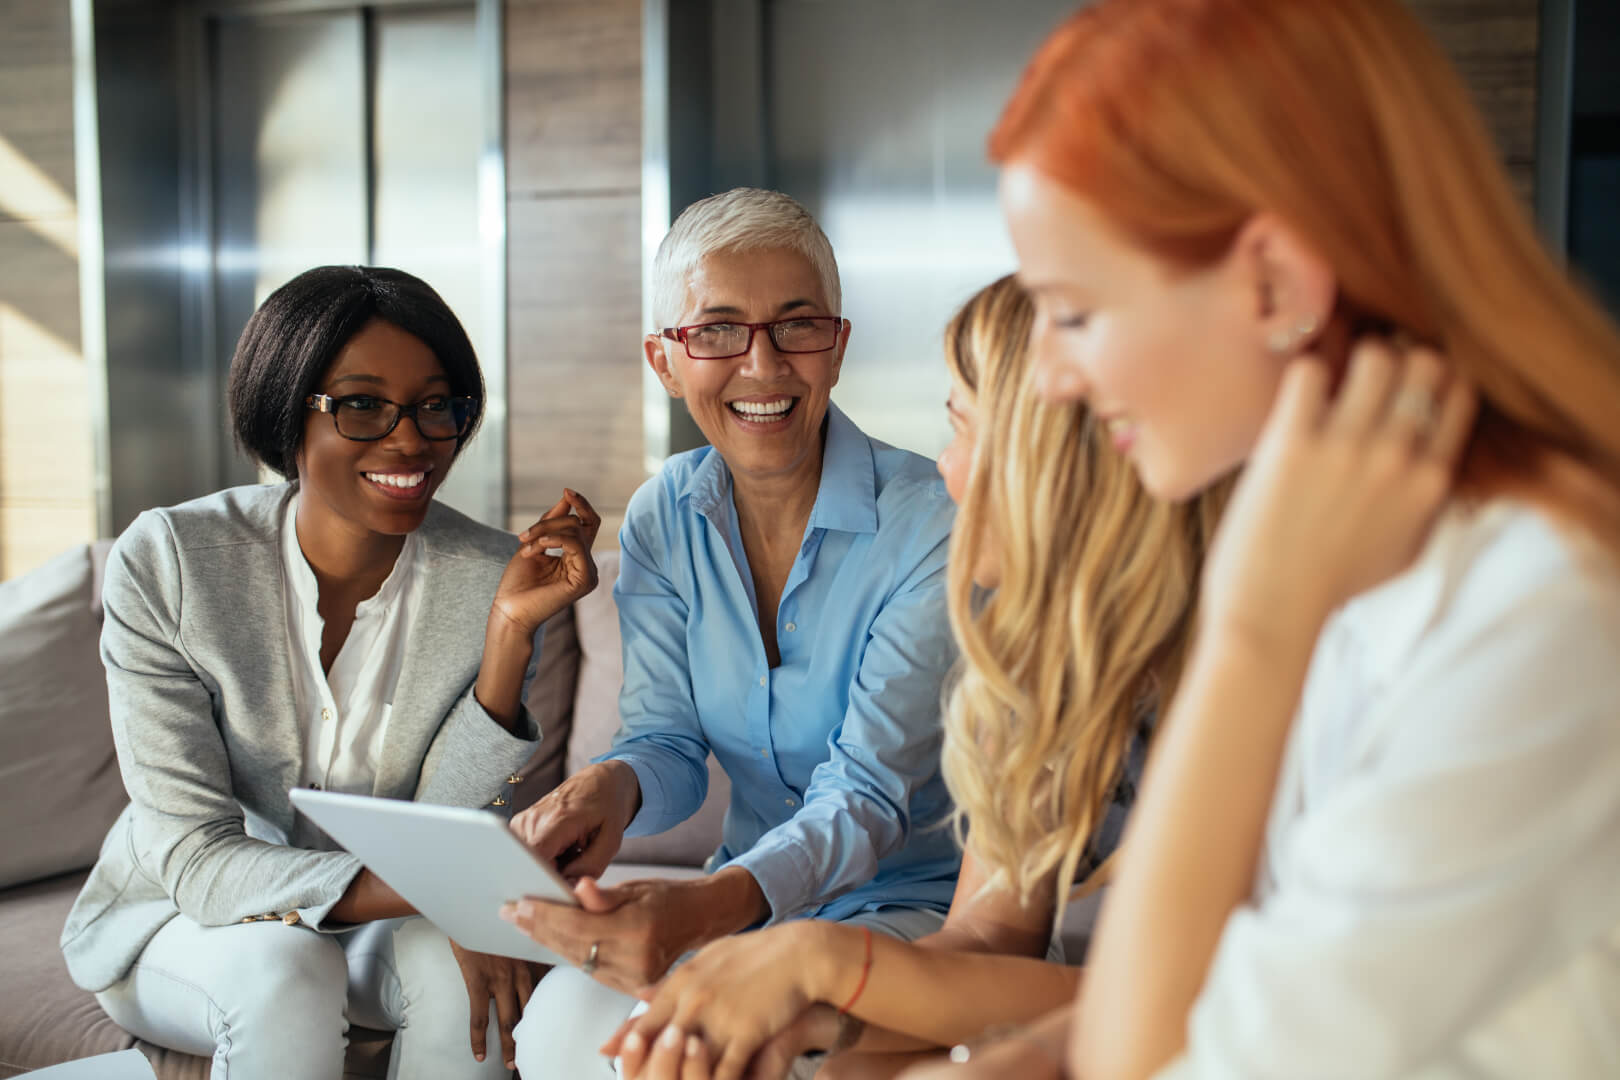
837, 805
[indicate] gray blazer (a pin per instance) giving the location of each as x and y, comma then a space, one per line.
200, 685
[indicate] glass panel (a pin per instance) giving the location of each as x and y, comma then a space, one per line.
904, 191
289, 167
428, 132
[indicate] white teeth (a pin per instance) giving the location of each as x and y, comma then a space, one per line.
397, 480
763, 410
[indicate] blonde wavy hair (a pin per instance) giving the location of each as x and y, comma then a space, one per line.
1087, 630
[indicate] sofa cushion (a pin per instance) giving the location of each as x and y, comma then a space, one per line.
596, 721
46, 1020
550, 700
59, 782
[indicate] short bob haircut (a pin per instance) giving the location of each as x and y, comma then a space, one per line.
742, 219
292, 339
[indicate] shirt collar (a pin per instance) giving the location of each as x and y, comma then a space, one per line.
846, 499
307, 589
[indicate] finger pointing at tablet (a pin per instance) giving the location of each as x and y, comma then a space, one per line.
580, 825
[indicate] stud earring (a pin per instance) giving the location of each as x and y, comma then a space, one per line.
1289, 339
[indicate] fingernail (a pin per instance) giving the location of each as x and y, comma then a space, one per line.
672, 1037
511, 1064
693, 1046
509, 912
478, 1057
632, 1043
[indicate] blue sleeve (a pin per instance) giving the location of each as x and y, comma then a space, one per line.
659, 734
856, 810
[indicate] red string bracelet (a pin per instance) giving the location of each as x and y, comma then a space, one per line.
866, 969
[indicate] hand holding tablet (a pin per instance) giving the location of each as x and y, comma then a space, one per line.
455, 866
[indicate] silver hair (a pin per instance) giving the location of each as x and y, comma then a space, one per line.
742, 219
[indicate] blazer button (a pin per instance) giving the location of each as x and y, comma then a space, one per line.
514, 779
250, 918
497, 801
291, 919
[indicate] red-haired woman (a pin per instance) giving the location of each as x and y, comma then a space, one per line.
1380, 835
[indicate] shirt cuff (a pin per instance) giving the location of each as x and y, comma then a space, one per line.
336, 881
787, 875
650, 819
478, 755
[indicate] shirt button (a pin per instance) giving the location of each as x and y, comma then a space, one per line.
326, 716
291, 918
789, 802
790, 627
765, 753
762, 680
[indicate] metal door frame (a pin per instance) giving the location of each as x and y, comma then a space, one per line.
199, 335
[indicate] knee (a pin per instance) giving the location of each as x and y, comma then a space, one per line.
566, 1022
433, 991
296, 981
425, 963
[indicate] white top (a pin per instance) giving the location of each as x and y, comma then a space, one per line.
1440, 890
344, 713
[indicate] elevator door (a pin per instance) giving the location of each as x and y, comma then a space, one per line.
874, 115
349, 136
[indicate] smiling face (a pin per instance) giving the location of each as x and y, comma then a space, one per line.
763, 410
1173, 361
381, 487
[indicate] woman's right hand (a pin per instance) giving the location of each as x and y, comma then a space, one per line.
508, 983
580, 824
741, 992
536, 585
1340, 492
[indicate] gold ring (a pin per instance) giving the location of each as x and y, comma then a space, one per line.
1416, 405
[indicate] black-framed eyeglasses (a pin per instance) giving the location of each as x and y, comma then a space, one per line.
723, 340
367, 417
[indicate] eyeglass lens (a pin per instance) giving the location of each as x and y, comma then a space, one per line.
371, 418
789, 335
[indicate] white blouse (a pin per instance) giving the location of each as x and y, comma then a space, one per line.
343, 713
1440, 890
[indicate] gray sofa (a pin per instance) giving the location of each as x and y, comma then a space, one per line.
60, 790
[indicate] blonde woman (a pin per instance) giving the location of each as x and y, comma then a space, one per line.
1046, 730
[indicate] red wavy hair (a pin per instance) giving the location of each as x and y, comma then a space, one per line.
1179, 119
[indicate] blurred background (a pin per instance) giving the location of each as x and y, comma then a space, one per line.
164, 164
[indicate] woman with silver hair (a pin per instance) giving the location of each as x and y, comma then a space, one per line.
782, 603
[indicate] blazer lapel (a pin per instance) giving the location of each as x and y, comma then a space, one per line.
239, 629
442, 655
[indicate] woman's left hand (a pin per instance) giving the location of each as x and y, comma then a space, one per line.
506, 981
535, 585
1340, 492
676, 1056
738, 993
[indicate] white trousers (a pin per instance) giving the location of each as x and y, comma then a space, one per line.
271, 1002
571, 1015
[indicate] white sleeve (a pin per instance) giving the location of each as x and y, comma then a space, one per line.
1468, 851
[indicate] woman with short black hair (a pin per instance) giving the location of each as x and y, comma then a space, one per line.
342, 631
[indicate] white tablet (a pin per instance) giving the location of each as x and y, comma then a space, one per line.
455, 866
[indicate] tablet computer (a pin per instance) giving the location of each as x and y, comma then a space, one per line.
455, 866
